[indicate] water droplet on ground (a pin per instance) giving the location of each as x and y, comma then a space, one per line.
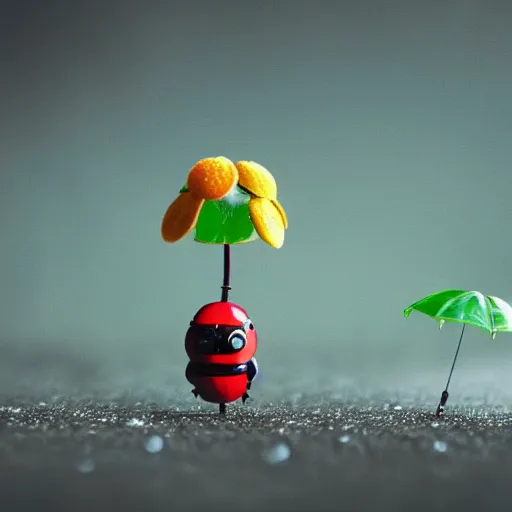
440, 446
86, 466
277, 454
135, 422
154, 444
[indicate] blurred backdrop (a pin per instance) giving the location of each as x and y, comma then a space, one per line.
388, 126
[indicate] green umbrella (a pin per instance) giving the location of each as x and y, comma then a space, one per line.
473, 308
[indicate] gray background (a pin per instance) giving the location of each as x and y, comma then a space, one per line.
386, 124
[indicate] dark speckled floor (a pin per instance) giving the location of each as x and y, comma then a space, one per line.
300, 456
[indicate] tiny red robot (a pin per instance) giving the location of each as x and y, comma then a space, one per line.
221, 343
225, 203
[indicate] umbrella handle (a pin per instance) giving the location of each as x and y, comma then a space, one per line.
445, 394
442, 403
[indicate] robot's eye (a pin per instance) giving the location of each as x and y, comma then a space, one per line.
237, 340
248, 326
237, 343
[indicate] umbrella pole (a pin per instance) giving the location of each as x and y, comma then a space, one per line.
445, 394
227, 272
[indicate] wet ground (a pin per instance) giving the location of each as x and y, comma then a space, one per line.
310, 453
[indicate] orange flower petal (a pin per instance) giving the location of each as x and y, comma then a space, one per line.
181, 217
256, 179
280, 208
267, 221
212, 178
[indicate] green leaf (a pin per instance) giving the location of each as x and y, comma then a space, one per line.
226, 221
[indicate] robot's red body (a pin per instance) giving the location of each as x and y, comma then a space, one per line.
221, 343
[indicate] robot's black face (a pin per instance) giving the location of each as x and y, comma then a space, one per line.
219, 339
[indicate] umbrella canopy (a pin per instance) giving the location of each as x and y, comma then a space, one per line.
227, 203
469, 307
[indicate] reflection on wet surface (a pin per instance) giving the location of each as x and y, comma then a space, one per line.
285, 455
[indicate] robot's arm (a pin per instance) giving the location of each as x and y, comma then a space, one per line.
190, 374
252, 371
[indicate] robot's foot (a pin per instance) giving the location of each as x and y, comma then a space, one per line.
245, 396
195, 393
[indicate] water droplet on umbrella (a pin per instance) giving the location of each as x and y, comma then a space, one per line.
154, 444
86, 466
440, 446
277, 454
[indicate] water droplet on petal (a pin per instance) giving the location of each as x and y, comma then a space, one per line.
441, 323
277, 454
493, 334
440, 446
